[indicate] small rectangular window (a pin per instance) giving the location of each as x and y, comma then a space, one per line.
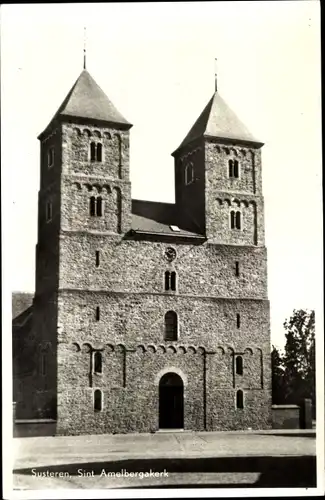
238, 320
48, 211
97, 313
97, 258
50, 157
237, 268
43, 364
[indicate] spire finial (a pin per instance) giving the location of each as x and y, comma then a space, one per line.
84, 47
215, 75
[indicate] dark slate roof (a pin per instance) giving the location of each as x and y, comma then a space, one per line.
218, 120
22, 308
21, 301
87, 100
151, 226
157, 210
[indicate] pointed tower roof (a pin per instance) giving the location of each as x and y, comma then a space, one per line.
86, 100
219, 121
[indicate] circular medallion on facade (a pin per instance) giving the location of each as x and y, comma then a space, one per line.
170, 254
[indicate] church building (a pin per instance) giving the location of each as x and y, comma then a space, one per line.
146, 315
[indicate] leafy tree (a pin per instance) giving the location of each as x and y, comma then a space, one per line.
293, 373
299, 356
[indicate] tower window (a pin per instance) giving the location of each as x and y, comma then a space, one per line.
97, 313
96, 151
171, 325
170, 281
92, 206
92, 151
99, 152
99, 206
240, 399
96, 206
167, 280
98, 400
43, 364
50, 157
173, 281
238, 320
235, 219
237, 268
239, 365
189, 173
48, 211
97, 258
97, 362
233, 169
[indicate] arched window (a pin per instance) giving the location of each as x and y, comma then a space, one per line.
98, 400
50, 157
238, 220
236, 169
238, 320
170, 281
92, 206
92, 151
233, 169
43, 364
189, 173
230, 168
235, 219
99, 152
239, 365
240, 399
173, 281
99, 206
48, 211
232, 219
167, 280
98, 362
171, 325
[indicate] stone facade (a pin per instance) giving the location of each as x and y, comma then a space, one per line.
99, 313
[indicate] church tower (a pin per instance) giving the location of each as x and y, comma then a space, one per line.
218, 166
84, 198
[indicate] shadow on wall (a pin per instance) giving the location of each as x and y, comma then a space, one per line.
275, 472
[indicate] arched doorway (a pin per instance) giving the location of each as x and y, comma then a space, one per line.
171, 402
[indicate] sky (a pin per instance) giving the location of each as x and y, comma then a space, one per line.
156, 64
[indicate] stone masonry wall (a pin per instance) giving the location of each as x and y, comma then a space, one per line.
224, 194
140, 266
130, 336
83, 179
76, 141
75, 205
217, 156
136, 318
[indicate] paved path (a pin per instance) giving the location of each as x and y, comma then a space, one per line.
214, 458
